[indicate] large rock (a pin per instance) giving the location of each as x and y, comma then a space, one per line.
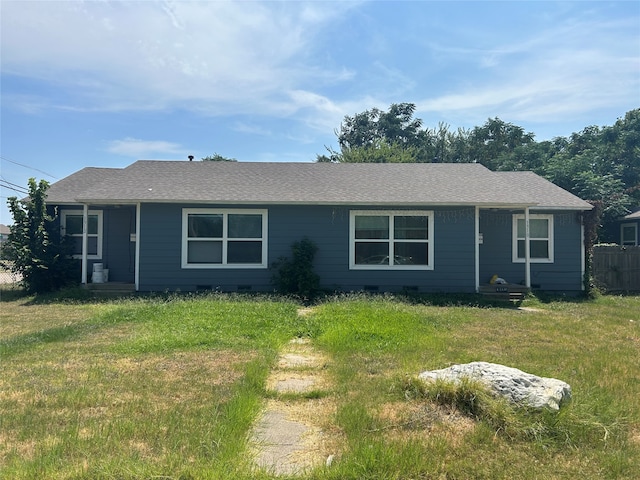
517, 386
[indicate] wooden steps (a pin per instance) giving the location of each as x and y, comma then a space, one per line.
506, 291
111, 288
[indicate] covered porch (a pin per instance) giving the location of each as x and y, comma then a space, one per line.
106, 244
525, 247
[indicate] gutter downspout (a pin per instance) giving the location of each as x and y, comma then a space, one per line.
137, 262
527, 253
477, 246
85, 241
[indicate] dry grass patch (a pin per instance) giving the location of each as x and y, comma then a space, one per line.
22, 318
97, 397
413, 420
214, 367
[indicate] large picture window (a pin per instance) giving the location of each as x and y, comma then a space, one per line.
71, 226
398, 240
540, 238
214, 238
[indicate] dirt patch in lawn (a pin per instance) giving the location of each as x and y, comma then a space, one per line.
406, 420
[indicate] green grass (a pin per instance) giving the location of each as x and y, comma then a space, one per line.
169, 387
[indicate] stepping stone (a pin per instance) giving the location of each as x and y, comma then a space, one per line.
279, 439
287, 439
295, 385
295, 360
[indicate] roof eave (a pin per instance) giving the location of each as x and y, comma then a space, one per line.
102, 201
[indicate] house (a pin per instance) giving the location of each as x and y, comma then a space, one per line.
4, 233
629, 227
179, 225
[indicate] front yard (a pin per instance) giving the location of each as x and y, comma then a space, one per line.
169, 387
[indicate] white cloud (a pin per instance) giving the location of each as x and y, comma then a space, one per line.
278, 59
564, 71
213, 56
252, 128
137, 148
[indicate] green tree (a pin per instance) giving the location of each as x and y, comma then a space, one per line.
216, 157
366, 136
495, 142
601, 165
34, 247
379, 151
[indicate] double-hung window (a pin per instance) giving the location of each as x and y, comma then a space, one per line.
394, 240
215, 238
540, 238
629, 234
71, 226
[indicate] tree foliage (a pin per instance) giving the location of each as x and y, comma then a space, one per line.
598, 164
216, 157
34, 248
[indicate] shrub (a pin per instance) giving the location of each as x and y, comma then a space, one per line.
296, 275
35, 248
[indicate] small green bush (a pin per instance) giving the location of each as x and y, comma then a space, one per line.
296, 276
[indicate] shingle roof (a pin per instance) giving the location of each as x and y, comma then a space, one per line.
548, 195
401, 184
633, 216
70, 188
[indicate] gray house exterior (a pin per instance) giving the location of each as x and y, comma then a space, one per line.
184, 226
630, 230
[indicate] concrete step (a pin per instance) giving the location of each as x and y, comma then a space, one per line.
111, 288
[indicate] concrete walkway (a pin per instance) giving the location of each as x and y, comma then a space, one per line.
291, 436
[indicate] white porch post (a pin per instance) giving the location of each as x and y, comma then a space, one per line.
583, 254
85, 241
137, 249
527, 252
477, 228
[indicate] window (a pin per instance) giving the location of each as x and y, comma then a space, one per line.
214, 238
71, 225
540, 238
629, 234
398, 240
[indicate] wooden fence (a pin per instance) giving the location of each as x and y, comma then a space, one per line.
616, 268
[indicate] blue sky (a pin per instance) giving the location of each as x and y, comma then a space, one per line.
104, 83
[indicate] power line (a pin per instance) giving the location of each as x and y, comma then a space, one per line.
20, 191
2, 179
27, 166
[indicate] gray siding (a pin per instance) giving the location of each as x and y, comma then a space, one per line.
328, 227
564, 274
118, 251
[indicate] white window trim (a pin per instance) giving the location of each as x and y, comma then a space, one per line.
635, 237
78, 213
390, 240
550, 238
225, 212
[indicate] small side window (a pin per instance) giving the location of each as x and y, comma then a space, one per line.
540, 238
629, 234
71, 226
